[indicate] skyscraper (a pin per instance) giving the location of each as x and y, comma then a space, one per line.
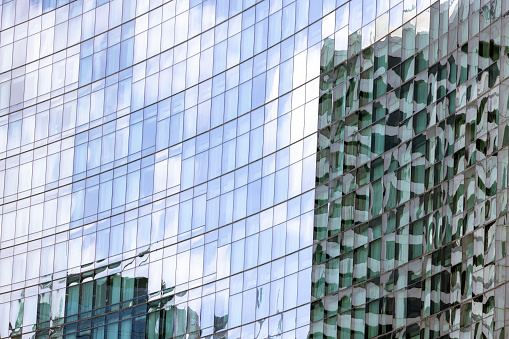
253, 169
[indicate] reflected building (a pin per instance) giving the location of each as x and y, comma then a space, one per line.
254, 169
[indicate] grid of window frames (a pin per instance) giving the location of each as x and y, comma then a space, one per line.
157, 166
410, 230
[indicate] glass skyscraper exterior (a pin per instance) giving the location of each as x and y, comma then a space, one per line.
253, 169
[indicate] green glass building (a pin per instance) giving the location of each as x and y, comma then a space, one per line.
410, 237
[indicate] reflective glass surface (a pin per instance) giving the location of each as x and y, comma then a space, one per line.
254, 169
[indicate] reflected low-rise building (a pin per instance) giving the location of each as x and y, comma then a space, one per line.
254, 169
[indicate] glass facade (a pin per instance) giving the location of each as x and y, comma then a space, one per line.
410, 229
253, 169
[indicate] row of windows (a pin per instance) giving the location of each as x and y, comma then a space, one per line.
251, 245
247, 190
438, 266
114, 292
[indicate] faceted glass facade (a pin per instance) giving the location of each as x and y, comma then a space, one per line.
253, 169
410, 237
